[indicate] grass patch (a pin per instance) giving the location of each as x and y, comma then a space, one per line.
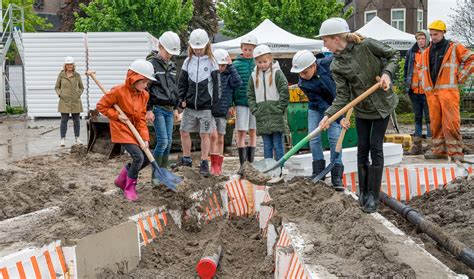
15, 110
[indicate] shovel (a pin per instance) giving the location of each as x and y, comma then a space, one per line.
318, 130
161, 175
338, 151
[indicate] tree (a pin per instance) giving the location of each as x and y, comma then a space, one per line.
204, 16
300, 17
66, 14
462, 21
33, 22
154, 16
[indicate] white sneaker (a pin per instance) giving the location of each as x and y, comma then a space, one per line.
63, 142
78, 141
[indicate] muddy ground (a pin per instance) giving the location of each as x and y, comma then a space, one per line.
452, 209
81, 185
342, 237
177, 252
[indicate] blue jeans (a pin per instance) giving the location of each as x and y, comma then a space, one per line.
420, 109
314, 117
272, 142
163, 131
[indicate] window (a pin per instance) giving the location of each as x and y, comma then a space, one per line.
369, 15
398, 19
419, 19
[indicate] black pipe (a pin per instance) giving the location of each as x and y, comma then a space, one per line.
454, 246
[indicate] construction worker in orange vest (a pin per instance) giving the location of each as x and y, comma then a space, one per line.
415, 92
445, 64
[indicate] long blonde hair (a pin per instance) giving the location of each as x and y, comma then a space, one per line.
258, 71
207, 51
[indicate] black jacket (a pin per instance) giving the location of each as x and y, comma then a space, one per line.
163, 91
437, 52
199, 82
320, 89
229, 81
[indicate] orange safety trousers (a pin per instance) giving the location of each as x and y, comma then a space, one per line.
443, 97
445, 123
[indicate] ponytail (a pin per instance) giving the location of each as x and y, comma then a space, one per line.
355, 38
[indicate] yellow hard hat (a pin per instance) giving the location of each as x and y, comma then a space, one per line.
438, 25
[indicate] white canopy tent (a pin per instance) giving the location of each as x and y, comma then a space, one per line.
278, 39
384, 32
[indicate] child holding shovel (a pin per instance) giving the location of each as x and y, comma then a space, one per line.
132, 98
268, 100
357, 62
317, 83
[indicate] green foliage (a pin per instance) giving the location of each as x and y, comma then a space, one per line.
399, 87
33, 22
300, 17
15, 110
154, 16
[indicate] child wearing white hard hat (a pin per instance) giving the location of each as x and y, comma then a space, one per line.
268, 100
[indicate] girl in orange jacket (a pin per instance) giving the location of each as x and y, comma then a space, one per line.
132, 98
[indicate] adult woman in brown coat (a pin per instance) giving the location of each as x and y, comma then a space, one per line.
69, 89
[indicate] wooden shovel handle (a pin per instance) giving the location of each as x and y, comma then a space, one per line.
343, 132
129, 124
357, 100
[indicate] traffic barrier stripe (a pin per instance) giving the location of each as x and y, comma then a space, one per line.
4, 273
353, 182
36, 269
21, 270
49, 262
217, 204
435, 177
397, 183
407, 186
389, 186
150, 225
427, 180
165, 219
158, 223
142, 230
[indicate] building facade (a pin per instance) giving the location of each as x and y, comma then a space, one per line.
406, 15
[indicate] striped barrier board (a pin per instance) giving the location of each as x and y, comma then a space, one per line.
150, 225
44, 262
408, 181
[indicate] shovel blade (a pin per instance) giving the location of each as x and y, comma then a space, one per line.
165, 177
267, 166
326, 170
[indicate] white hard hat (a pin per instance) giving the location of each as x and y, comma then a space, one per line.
261, 50
333, 26
198, 39
249, 40
302, 60
144, 68
221, 56
170, 41
69, 60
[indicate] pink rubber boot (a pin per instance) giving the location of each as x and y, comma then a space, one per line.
130, 192
121, 179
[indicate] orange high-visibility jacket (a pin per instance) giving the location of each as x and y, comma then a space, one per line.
132, 103
416, 80
456, 67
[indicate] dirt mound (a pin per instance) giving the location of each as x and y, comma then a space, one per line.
450, 208
342, 236
177, 251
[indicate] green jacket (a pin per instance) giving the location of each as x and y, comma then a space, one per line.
268, 103
69, 91
354, 71
244, 67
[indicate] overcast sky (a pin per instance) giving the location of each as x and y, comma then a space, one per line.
440, 9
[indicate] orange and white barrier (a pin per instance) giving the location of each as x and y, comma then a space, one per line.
408, 181
44, 262
151, 224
